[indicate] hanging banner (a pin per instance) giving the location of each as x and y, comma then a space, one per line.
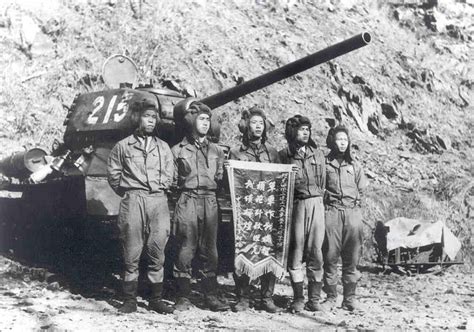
262, 201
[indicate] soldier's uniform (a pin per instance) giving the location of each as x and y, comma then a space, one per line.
140, 169
308, 217
199, 171
264, 153
345, 183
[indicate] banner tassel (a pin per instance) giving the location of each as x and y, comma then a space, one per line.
254, 272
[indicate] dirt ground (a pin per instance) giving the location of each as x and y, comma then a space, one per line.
30, 299
407, 99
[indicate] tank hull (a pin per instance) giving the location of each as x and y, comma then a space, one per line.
70, 226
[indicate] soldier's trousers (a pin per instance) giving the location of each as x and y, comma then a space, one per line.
144, 225
344, 236
306, 240
195, 228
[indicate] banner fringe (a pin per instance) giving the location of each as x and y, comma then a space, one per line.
253, 272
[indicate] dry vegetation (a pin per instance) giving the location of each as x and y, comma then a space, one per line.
408, 99
409, 89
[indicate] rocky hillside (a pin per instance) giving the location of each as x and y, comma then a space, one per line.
407, 97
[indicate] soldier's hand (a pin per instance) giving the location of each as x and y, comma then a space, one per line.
295, 168
226, 164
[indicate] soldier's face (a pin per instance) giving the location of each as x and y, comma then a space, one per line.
256, 126
148, 121
342, 141
203, 122
302, 135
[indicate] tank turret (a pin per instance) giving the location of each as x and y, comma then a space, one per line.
100, 119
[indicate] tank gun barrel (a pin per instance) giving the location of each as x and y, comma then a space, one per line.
288, 70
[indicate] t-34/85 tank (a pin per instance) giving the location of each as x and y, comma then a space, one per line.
60, 208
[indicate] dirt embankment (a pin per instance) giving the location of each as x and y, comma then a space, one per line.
407, 98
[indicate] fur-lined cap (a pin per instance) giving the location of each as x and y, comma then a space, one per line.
331, 138
291, 132
139, 106
331, 143
142, 105
293, 124
244, 124
247, 115
192, 113
199, 108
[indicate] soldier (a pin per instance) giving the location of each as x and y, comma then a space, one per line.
345, 183
308, 212
140, 169
199, 166
253, 126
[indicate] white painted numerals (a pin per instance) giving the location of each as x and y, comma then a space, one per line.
121, 109
109, 109
98, 103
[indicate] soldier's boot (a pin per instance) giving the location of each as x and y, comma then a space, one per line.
314, 295
210, 291
129, 289
184, 289
298, 297
169, 291
267, 282
330, 302
242, 304
242, 290
156, 303
349, 302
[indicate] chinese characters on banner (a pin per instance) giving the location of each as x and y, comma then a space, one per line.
262, 196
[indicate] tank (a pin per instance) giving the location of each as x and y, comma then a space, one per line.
59, 209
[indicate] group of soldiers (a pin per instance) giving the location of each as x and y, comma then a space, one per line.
326, 224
